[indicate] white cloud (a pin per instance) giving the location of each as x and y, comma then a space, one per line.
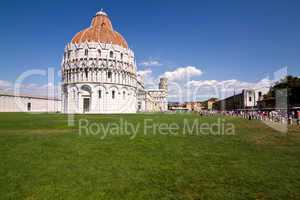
150, 63
145, 73
230, 84
183, 88
4, 84
196, 90
201, 83
147, 78
183, 73
41, 90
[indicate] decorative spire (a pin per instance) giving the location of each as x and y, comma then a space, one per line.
101, 12
102, 21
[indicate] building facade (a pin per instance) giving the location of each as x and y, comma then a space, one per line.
195, 106
154, 100
99, 74
23, 103
247, 99
208, 104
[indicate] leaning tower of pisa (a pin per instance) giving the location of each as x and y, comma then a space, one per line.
163, 84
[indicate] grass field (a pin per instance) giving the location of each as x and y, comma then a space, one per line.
42, 158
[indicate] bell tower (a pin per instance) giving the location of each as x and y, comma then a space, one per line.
163, 84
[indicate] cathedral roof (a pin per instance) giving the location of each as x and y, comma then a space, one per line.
101, 30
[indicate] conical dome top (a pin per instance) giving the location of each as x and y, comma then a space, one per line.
101, 30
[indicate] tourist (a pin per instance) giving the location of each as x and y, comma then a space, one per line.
298, 117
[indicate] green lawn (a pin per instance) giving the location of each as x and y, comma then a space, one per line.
42, 158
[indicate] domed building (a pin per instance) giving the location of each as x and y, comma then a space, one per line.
99, 73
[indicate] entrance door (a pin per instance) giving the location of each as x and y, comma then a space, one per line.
86, 105
28, 106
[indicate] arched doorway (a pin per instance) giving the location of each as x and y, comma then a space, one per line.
86, 104
86, 98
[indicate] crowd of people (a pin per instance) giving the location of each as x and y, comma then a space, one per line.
279, 116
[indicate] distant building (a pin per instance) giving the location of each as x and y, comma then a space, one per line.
187, 106
179, 108
173, 105
154, 100
208, 105
194, 106
282, 95
268, 102
244, 100
22, 103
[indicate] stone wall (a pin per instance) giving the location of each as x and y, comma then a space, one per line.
11, 103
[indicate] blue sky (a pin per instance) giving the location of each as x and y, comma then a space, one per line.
241, 40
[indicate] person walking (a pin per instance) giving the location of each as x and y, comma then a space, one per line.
298, 117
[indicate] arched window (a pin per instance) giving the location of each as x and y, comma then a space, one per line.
100, 94
124, 94
86, 73
86, 88
69, 53
113, 94
109, 74
86, 52
99, 52
111, 54
121, 56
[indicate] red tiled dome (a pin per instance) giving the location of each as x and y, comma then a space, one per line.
101, 30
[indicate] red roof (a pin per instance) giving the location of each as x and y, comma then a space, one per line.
101, 30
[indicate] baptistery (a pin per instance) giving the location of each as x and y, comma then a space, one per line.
99, 73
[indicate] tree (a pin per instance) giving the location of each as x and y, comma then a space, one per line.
292, 85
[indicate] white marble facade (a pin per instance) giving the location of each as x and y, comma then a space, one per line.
99, 74
99, 78
154, 100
